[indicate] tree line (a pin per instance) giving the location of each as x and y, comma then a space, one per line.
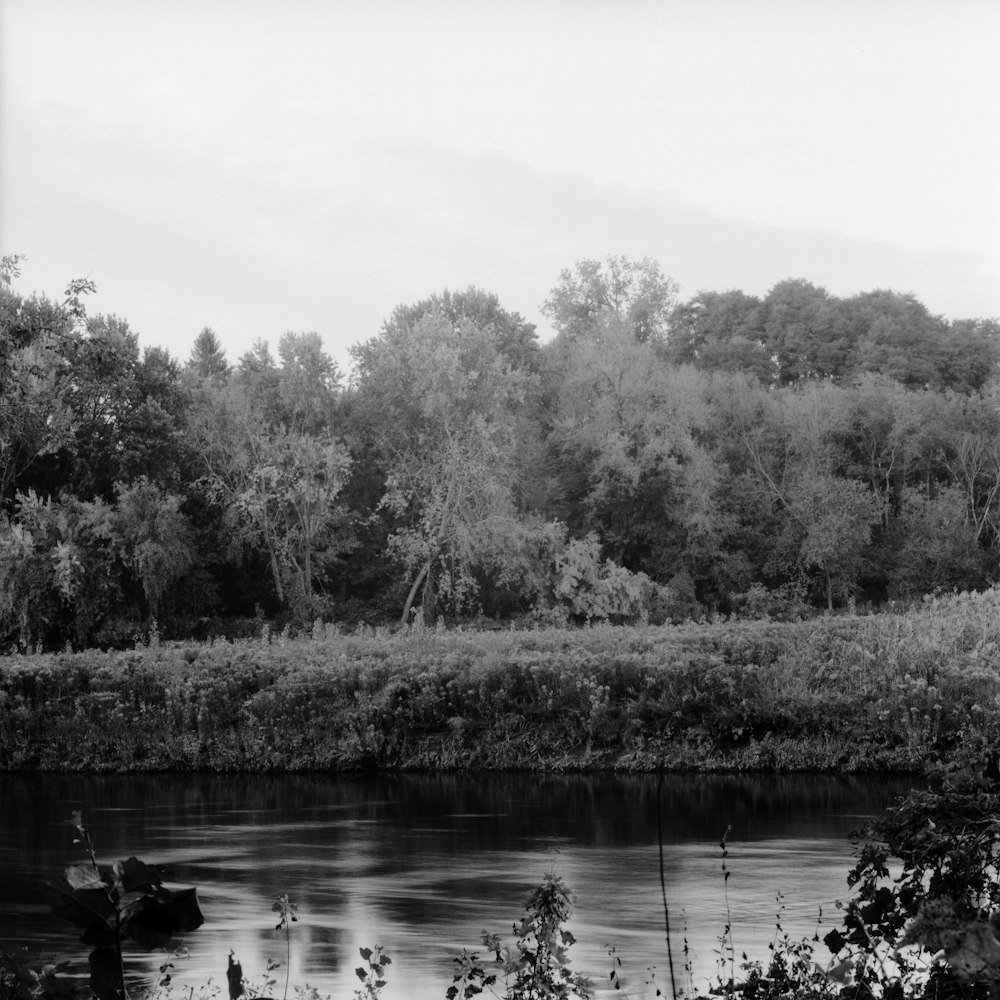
657, 459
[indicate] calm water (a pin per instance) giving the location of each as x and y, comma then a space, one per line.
422, 865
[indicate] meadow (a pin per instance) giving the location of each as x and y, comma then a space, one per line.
892, 692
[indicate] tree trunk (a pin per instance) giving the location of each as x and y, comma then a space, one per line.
424, 570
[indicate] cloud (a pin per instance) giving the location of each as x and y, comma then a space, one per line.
327, 226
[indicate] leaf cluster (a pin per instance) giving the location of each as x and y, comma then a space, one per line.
124, 900
536, 965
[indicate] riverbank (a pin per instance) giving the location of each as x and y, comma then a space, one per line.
888, 692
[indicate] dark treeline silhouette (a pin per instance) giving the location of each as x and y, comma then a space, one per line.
657, 459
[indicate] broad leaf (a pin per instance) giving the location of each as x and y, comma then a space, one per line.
84, 876
89, 909
105, 974
153, 923
136, 876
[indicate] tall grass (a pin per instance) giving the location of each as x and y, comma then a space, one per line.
888, 692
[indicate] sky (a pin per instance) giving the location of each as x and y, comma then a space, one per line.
257, 166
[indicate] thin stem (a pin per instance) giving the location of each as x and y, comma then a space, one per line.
728, 932
118, 949
663, 881
288, 957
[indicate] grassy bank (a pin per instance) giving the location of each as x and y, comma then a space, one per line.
885, 692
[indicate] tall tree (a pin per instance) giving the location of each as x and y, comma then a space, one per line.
443, 398
308, 383
626, 435
34, 419
722, 331
152, 538
635, 296
276, 489
937, 545
59, 578
794, 443
512, 336
833, 518
897, 336
800, 323
208, 359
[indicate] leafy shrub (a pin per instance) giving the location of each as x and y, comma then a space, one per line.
536, 967
946, 898
891, 692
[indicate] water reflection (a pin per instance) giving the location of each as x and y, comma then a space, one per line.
422, 864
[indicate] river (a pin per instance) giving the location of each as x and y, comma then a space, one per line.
423, 864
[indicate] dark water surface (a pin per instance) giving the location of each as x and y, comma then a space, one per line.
422, 865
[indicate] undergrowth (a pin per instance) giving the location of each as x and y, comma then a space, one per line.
887, 692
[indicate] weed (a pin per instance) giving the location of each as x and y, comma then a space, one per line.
112, 903
889, 692
536, 967
727, 951
286, 910
372, 974
663, 884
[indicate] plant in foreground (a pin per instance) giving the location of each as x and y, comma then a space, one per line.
286, 910
946, 898
372, 978
537, 966
112, 903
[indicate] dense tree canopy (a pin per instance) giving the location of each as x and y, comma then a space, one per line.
658, 458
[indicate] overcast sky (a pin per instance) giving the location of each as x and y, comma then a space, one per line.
259, 166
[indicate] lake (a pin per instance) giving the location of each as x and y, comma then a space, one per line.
423, 864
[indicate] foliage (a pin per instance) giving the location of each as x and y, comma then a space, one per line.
447, 398
152, 537
632, 296
58, 574
123, 900
286, 911
372, 973
938, 548
536, 967
78, 570
276, 491
890, 692
208, 359
845, 448
945, 899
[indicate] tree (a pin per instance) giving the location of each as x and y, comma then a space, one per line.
974, 462
632, 295
454, 507
208, 359
275, 487
722, 331
58, 574
626, 432
308, 383
257, 378
443, 399
800, 323
793, 443
896, 335
972, 354
291, 505
34, 421
153, 539
879, 435
937, 545
512, 336
835, 518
